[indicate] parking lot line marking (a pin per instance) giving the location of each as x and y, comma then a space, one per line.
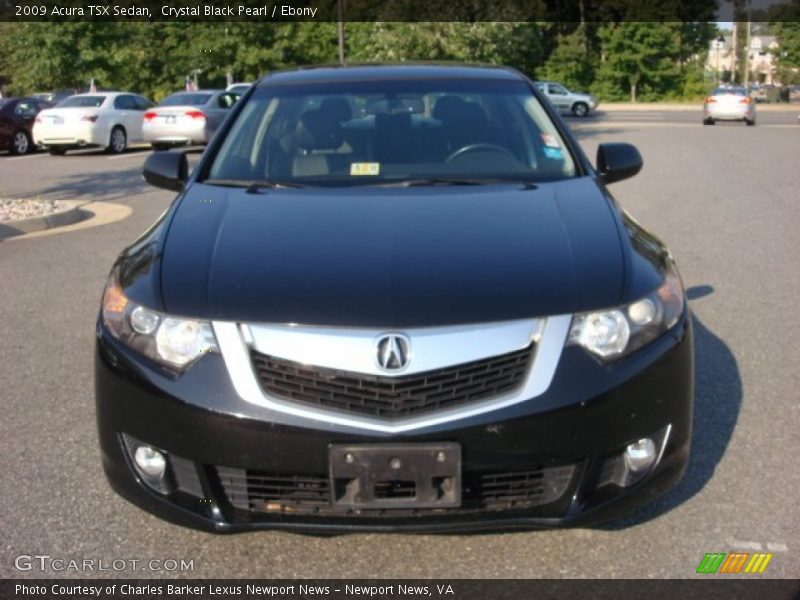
131, 155
26, 157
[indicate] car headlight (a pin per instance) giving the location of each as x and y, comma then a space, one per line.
170, 341
616, 332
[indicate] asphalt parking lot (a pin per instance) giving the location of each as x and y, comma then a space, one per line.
724, 198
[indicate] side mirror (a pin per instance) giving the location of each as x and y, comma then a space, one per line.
616, 162
168, 170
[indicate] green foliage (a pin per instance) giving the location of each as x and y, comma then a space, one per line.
640, 60
513, 44
663, 60
570, 62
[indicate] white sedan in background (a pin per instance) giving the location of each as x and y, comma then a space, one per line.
110, 120
187, 117
729, 104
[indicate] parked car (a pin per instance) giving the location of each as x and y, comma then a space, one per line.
432, 317
16, 122
729, 104
566, 101
187, 117
110, 120
58, 95
239, 88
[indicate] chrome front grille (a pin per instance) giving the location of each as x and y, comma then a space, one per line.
392, 397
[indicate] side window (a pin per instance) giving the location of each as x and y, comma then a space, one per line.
227, 99
25, 109
557, 89
142, 103
124, 103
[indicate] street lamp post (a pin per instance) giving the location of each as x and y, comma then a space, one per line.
719, 42
340, 29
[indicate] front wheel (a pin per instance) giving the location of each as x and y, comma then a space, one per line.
750, 122
708, 121
580, 109
118, 141
21, 144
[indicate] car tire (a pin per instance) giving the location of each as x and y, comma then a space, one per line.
750, 123
56, 150
21, 143
708, 121
117, 141
580, 109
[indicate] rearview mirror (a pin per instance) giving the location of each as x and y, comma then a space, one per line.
168, 170
616, 162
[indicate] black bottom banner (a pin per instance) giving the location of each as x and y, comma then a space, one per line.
394, 589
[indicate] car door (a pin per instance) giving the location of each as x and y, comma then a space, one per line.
6, 111
559, 96
24, 113
128, 116
217, 109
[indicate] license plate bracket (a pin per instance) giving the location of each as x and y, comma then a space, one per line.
386, 476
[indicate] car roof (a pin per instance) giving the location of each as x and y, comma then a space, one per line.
99, 93
383, 72
196, 92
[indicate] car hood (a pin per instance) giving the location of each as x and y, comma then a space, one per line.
388, 257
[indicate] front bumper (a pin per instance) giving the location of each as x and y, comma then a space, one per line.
222, 459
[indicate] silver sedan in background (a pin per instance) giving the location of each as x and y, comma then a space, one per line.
187, 117
729, 104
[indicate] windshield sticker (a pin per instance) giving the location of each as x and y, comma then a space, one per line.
550, 140
553, 153
365, 168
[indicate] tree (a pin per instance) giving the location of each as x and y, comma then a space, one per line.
569, 63
640, 60
513, 44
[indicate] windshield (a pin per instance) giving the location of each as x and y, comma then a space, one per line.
732, 91
384, 132
81, 102
184, 99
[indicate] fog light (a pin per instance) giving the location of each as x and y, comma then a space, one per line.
150, 461
640, 455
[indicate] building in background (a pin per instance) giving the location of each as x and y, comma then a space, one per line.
760, 59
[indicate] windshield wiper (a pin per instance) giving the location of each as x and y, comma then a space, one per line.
252, 185
432, 181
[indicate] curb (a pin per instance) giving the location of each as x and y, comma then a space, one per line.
68, 216
696, 107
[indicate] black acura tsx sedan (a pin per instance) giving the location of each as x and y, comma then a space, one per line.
394, 298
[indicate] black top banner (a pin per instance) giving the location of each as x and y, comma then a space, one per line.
598, 11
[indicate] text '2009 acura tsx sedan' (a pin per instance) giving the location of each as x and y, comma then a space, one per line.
394, 298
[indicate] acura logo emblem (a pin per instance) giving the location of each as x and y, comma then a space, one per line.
393, 352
